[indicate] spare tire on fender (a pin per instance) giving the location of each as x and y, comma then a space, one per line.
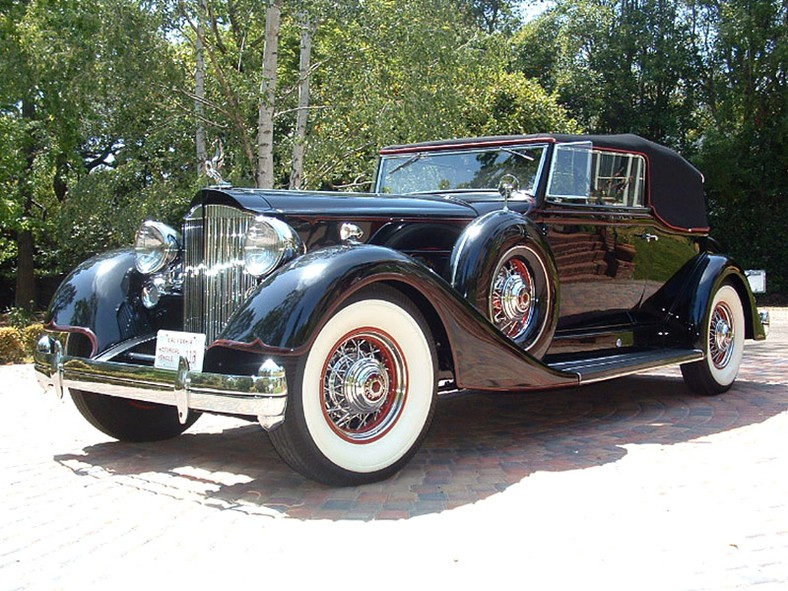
502, 265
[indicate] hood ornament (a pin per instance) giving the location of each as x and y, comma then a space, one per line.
213, 166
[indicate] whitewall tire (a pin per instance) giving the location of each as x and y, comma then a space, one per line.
723, 345
364, 394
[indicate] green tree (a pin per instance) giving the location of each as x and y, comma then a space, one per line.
310, 17
81, 97
618, 65
350, 77
493, 15
744, 143
392, 75
220, 47
514, 104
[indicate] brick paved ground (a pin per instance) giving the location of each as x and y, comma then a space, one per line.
632, 485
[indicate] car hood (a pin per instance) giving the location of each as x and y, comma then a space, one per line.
336, 204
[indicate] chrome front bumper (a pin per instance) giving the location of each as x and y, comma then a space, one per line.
263, 396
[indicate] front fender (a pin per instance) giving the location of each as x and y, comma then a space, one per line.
97, 299
288, 309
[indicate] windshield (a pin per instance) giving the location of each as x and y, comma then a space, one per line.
466, 170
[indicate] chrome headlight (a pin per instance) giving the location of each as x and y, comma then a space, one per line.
268, 243
156, 246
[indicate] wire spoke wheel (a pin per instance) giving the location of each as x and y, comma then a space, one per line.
724, 345
512, 297
364, 394
364, 385
519, 299
721, 336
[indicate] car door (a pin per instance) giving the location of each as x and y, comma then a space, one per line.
598, 229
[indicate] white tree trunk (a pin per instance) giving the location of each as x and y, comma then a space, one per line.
199, 89
265, 118
299, 141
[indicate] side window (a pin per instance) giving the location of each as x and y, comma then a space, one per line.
580, 174
618, 179
570, 173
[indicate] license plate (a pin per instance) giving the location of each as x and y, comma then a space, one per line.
171, 345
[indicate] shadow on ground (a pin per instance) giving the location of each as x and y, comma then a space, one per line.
479, 445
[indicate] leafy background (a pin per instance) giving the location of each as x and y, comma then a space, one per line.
100, 108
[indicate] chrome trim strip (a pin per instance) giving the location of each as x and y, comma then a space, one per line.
124, 346
263, 395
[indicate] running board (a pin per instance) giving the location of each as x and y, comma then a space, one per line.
614, 366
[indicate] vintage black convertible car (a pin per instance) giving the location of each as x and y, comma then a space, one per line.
336, 319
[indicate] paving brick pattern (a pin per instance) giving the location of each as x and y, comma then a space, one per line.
633, 484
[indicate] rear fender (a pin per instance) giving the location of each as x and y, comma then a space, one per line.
722, 269
688, 296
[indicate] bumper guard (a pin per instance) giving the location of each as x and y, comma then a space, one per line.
263, 395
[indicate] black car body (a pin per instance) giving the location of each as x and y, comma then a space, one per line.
336, 319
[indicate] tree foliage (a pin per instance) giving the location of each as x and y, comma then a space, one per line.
704, 76
108, 109
617, 65
409, 71
744, 150
89, 129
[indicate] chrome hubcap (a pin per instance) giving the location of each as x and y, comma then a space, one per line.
366, 385
721, 333
515, 297
363, 385
512, 298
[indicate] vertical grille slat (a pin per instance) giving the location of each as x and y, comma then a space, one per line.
215, 283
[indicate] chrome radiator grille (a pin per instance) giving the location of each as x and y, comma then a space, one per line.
214, 282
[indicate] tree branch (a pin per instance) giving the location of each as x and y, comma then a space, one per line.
101, 159
227, 90
215, 28
297, 109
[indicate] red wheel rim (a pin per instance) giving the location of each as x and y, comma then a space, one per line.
363, 385
512, 297
721, 334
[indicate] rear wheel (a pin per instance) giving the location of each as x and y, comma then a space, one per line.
724, 345
364, 395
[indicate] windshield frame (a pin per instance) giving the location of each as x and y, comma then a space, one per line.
405, 159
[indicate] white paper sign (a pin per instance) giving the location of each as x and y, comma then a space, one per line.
172, 345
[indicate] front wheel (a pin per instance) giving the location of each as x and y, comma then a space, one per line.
123, 419
364, 394
724, 345
130, 420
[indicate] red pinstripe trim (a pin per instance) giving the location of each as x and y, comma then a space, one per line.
461, 146
77, 329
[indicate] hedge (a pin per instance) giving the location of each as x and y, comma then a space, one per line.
17, 345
